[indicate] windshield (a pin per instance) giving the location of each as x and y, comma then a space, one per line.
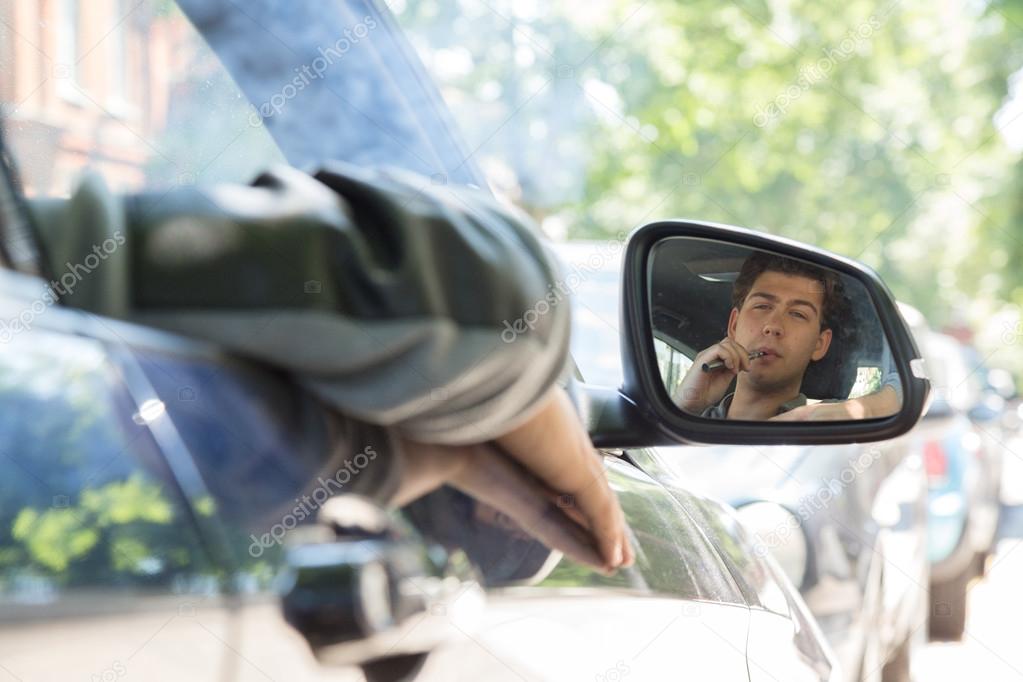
126, 88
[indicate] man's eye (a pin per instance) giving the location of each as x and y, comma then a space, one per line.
761, 306
800, 315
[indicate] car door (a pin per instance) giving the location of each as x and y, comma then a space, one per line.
784, 640
103, 571
257, 445
259, 460
677, 609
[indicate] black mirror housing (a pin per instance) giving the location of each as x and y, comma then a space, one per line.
652, 417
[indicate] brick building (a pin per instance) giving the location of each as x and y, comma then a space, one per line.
86, 82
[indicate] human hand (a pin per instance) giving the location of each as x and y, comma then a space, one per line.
544, 474
700, 389
555, 447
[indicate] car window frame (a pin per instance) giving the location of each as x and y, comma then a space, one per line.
20, 247
16, 287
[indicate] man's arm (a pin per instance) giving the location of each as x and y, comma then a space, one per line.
884, 402
397, 302
881, 403
415, 311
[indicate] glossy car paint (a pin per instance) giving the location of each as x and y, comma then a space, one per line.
866, 574
228, 455
862, 509
233, 445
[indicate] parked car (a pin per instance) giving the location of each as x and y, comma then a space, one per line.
847, 523
149, 482
986, 406
142, 473
963, 480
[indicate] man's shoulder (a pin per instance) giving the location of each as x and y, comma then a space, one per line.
720, 410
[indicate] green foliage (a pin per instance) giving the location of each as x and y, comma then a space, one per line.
53, 537
80, 506
119, 527
866, 128
127, 501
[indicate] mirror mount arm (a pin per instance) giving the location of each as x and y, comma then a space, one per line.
615, 422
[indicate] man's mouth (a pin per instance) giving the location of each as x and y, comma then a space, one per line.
767, 352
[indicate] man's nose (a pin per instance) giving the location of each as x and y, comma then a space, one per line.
773, 328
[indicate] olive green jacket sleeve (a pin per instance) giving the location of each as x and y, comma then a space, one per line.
423, 308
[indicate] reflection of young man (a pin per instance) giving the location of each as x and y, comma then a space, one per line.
787, 310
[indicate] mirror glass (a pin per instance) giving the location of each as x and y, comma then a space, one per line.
754, 335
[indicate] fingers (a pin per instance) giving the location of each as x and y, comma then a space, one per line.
554, 446
735, 357
730, 352
496, 480
492, 478
426, 467
598, 505
545, 475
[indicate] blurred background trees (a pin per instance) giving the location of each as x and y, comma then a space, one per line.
887, 132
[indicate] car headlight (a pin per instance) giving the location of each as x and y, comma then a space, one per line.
778, 532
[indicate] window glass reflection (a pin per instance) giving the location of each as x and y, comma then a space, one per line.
672, 556
86, 500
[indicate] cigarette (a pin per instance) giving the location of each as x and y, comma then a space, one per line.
717, 364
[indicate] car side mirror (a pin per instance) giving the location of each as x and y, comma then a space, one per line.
738, 337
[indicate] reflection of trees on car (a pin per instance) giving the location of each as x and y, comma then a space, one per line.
114, 526
84, 502
671, 555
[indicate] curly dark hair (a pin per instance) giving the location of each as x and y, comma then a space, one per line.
835, 305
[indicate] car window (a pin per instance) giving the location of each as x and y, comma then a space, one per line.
127, 89
260, 445
672, 557
18, 248
720, 525
673, 364
88, 508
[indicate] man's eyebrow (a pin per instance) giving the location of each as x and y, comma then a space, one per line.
796, 301
799, 301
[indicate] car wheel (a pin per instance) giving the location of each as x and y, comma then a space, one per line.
897, 669
394, 668
948, 608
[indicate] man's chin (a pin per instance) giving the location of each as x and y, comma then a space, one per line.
769, 380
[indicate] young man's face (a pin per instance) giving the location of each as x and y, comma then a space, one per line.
781, 315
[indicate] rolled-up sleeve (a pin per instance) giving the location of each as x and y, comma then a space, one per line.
429, 309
